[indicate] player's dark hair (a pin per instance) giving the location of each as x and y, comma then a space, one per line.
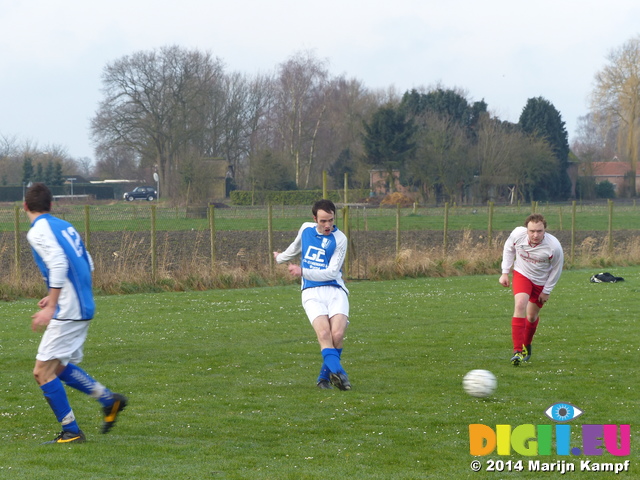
535, 218
38, 198
324, 204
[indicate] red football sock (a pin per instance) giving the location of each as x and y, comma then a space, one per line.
517, 332
530, 330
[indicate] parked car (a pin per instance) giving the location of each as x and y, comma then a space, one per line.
141, 193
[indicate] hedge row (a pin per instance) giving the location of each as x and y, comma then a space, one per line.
99, 192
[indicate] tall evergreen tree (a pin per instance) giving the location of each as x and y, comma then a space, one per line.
58, 178
444, 103
49, 173
345, 164
39, 175
541, 119
388, 140
27, 170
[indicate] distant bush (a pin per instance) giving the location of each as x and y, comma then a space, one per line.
397, 198
99, 192
605, 189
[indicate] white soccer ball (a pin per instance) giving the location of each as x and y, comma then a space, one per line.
479, 383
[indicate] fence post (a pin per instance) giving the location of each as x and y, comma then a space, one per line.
87, 229
347, 232
366, 220
346, 188
154, 257
16, 251
445, 242
212, 235
560, 214
610, 246
270, 237
397, 230
573, 230
490, 227
324, 185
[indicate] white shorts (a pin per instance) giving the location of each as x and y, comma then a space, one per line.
63, 340
325, 300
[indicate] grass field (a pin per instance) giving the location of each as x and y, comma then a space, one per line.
222, 383
137, 217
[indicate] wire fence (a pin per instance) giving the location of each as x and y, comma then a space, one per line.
154, 242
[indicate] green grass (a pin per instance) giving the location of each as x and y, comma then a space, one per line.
222, 383
137, 217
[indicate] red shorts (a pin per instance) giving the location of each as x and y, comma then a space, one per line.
522, 284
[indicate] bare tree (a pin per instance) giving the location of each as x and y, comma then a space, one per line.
237, 110
496, 147
348, 103
616, 98
116, 162
157, 103
595, 141
10, 163
533, 161
84, 166
8, 146
444, 148
299, 108
259, 131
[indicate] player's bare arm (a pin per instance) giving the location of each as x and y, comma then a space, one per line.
47, 305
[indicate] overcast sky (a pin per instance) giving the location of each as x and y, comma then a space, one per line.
52, 52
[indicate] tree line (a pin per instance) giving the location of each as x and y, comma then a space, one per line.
172, 110
611, 129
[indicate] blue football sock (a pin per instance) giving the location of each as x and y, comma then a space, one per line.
324, 372
77, 378
57, 397
332, 360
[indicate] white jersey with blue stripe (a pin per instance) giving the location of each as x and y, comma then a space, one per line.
321, 256
64, 262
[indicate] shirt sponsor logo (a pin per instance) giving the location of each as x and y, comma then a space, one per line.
315, 255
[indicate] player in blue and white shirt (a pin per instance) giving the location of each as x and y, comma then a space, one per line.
64, 315
322, 249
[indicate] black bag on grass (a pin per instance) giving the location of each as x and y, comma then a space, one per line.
605, 277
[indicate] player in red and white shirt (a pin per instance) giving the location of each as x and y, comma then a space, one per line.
537, 260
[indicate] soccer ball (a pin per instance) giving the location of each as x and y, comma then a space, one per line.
479, 383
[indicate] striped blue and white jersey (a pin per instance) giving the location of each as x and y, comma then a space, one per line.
64, 262
321, 256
